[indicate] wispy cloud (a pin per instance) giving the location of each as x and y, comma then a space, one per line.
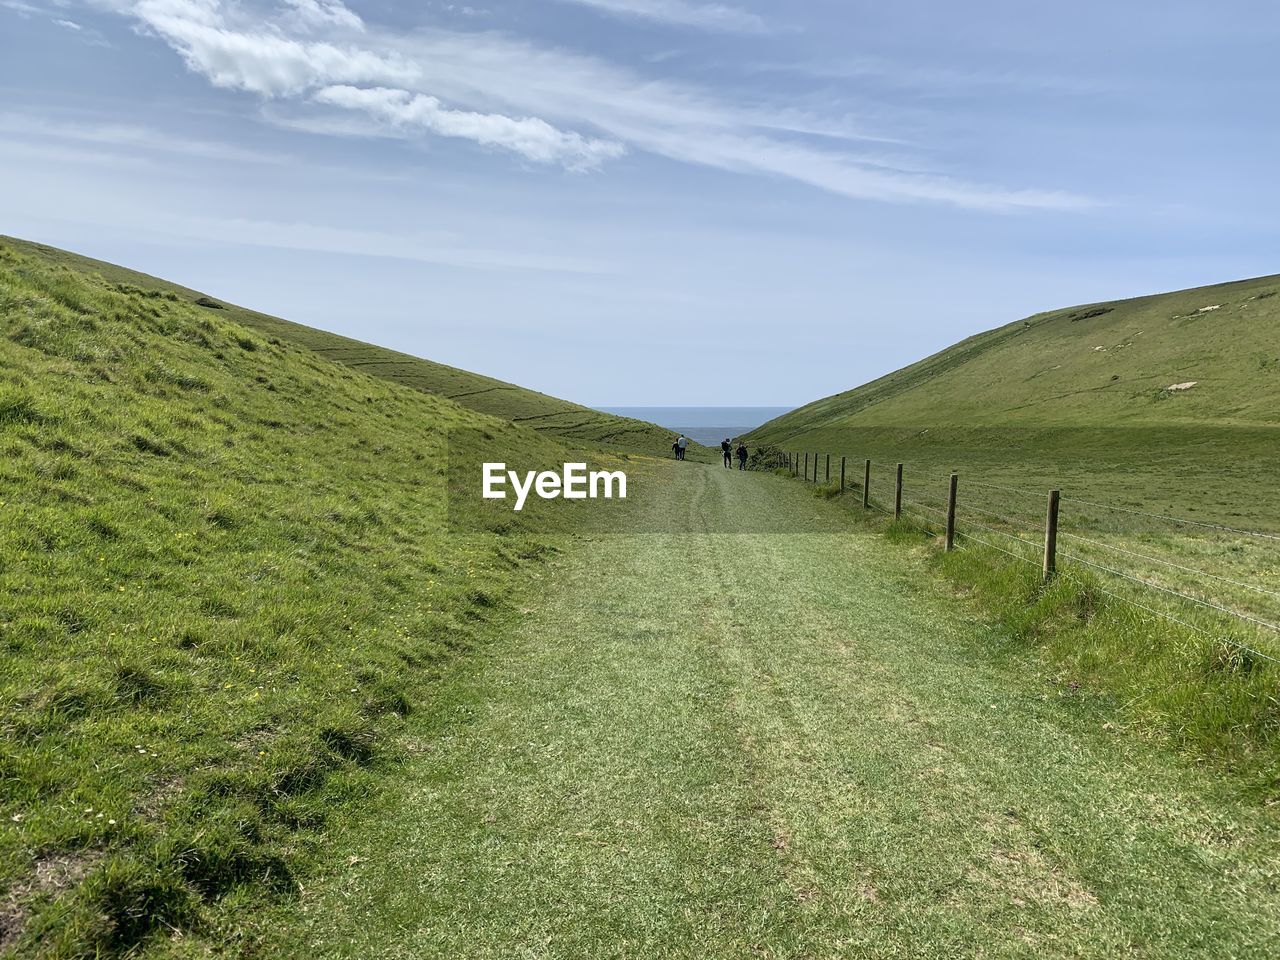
939, 80
325, 13
705, 16
137, 139
238, 49
22, 8
322, 238
685, 124
547, 106
529, 136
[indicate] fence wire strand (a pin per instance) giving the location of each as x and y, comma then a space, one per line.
922, 506
1016, 556
1005, 533
1184, 520
1174, 593
1184, 623
995, 486
1170, 563
999, 516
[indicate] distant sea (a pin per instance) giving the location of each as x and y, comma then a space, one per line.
707, 425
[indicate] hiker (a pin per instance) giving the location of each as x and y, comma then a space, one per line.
675, 447
727, 449
742, 455
681, 444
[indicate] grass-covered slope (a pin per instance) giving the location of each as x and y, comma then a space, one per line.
226, 578
1169, 401
544, 413
1130, 362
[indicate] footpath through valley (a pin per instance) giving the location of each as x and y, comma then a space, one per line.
779, 745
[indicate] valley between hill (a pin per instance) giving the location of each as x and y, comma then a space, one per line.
270, 691
776, 745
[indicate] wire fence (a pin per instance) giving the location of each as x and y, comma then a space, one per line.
1033, 540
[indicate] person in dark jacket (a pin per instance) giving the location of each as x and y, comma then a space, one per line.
742, 455
727, 449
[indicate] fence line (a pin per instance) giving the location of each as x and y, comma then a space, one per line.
930, 513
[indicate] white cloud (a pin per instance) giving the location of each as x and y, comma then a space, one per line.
547, 106
234, 49
684, 124
528, 136
257, 56
69, 24
325, 13
707, 16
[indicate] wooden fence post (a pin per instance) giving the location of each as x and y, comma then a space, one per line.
1051, 536
866, 485
951, 511
806, 467
815, 466
828, 477
842, 474
897, 495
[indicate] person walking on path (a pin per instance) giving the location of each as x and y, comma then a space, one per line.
681, 445
675, 447
727, 449
742, 456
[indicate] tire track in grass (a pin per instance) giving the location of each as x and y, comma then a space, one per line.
781, 745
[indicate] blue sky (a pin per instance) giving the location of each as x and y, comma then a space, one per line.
650, 201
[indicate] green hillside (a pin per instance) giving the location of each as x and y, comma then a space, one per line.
1211, 354
1170, 401
227, 579
544, 413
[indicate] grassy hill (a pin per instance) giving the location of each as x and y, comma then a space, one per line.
1170, 401
228, 576
544, 413
1211, 354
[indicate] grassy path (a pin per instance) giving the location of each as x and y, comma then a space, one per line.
777, 746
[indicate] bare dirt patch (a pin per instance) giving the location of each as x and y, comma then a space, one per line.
49, 877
